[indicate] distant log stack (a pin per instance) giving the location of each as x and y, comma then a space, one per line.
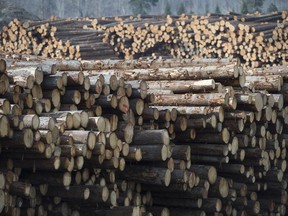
257, 40
142, 137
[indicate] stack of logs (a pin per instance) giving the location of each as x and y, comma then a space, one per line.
161, 137
40, 37
255, 39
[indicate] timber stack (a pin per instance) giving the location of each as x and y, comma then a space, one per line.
142, 137
257, 40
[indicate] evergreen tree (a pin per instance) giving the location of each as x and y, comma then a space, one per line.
217, 10
257, 4
167, 9
142, 6
250, 6
272, 8
244, 7
181, 9
207, 8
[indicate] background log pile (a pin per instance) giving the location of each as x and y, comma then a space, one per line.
257, 40
159, 137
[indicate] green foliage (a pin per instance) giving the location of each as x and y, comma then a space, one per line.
181, 9
217, 10
207, 8
272, 8
167, 9
244, 7
142, 6
257, 3
249, 6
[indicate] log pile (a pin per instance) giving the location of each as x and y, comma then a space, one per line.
159, 137
257, 40
55, 38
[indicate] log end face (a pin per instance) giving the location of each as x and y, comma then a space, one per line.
6, 106
105, 194
233, 103
212, 175
221, 114
56, 98
155, 113
167, 177
86, 193
113, 198
113, 82
76, 97
256, 207
242, 155
165, 137
101, 124
280, 102
98, 86
165, 212
123, 104
138, 154
234, 145
122, 164
5, 127
213, 121
28, 138
193, 134
57, 163
218, 205
86, 83
30, 82
225, 135
67, 179
35, 122
143, 89
139, 106
164, 153
259, 102
129, 133
223, 188
91, 140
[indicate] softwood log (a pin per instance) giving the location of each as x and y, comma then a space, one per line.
150, 137
183, 86
86, 137
215, 99
144, 174
73, 192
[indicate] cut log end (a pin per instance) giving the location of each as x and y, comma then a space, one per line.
123, 104
105, 194
167, 178
212, 175
28, 138
225, 135
223, 188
